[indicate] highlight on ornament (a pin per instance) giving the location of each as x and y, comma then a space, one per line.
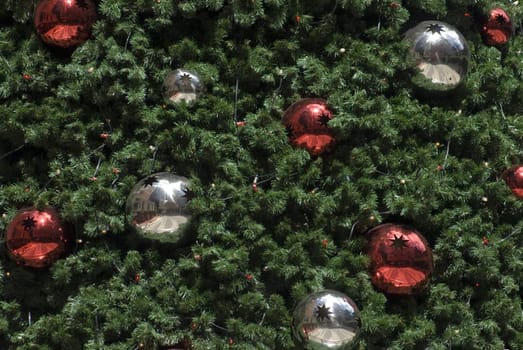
64, 23
498, 28
513, 177
38, 238
441, 54
157, 206
326, 319
307, 127
400, 259
182, 85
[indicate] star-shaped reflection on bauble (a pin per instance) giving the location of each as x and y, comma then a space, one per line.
185, 81
187, 193
150, 181
399, 242
322, 313
435, 28
29, 223
500, 19
324, 120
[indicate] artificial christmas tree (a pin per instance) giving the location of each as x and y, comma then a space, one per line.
80, 128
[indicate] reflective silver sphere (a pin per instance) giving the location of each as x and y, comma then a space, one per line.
441, 53
326, 320
157, 205
182, 85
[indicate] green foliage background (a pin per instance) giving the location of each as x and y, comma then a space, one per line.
430, 161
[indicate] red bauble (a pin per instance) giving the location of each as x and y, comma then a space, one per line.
401, 259
306, 122
37, 238
498, 28
64, 23
513, 177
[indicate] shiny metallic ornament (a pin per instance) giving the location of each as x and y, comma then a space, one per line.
498, 28
64, 23
157, 206
441, 54
37, 238
401, 259
306, 122
182, 85
326, 320
513, 177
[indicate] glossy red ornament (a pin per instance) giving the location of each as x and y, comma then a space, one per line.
64, 23
401, 259
513, 177
306, 122
37, 238
497, 29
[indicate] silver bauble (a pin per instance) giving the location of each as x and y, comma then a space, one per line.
326, 320
157, 206
441, 54
182, 85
